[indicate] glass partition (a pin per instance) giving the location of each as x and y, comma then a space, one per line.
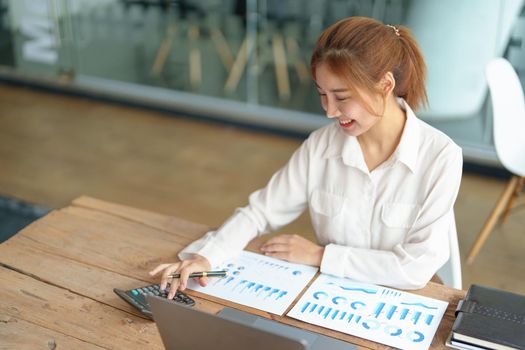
248, 60
253, 51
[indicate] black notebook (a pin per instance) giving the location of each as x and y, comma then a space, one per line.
489, 319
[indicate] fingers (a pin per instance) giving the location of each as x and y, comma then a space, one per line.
184, 268
184, 275
158, 269
279, 255
166, 269
173, 288
269, 245
172, 268
203, 281
181, 283
279, 247
275, 247
294, 248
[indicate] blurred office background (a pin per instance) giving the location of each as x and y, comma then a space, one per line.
185, 107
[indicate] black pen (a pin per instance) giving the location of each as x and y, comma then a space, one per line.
202, 274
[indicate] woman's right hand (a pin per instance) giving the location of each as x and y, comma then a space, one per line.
196, 264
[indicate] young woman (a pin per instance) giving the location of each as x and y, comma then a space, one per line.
379, 183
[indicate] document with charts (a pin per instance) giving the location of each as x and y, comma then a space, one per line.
259, 281
388, 316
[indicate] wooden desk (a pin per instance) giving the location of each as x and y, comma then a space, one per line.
58, 276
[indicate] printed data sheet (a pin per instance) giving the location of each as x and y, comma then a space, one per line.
388, 316
259, 281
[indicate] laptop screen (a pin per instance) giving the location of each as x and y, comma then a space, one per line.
183, 327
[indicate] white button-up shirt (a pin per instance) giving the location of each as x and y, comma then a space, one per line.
389, 226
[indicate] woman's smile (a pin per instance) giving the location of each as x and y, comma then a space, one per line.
346, 123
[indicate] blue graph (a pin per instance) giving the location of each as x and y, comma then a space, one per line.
330, 312
421, 304
354, 318
364, 290
251, 288
402, 312
381, 310
235, 283
339, 300
390, 293
274, 265
266, 264
320, 295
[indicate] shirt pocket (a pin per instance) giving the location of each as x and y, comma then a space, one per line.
327, 219
326, 203
399, 215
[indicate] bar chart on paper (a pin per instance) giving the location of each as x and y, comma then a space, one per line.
259, 281
399, 319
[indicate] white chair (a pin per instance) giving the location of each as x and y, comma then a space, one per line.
508, 107
450, 273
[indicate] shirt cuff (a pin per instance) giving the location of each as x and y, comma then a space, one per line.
207, 248
334, 258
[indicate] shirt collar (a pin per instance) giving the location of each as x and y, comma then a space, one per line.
345, 147
348, 148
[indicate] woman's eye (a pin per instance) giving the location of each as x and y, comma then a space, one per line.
342, 98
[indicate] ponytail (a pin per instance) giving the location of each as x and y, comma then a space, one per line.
411, 71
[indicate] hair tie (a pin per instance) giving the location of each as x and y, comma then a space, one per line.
396, 30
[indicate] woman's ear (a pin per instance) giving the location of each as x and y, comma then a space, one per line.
388, 83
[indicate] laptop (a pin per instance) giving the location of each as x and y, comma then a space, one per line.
185, 328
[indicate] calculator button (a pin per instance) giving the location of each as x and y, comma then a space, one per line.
140, 302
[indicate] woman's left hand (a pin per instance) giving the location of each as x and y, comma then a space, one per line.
294, 248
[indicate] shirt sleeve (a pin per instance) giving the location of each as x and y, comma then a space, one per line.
282, 200
412, 263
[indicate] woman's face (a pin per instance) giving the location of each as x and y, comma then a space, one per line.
339, 104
